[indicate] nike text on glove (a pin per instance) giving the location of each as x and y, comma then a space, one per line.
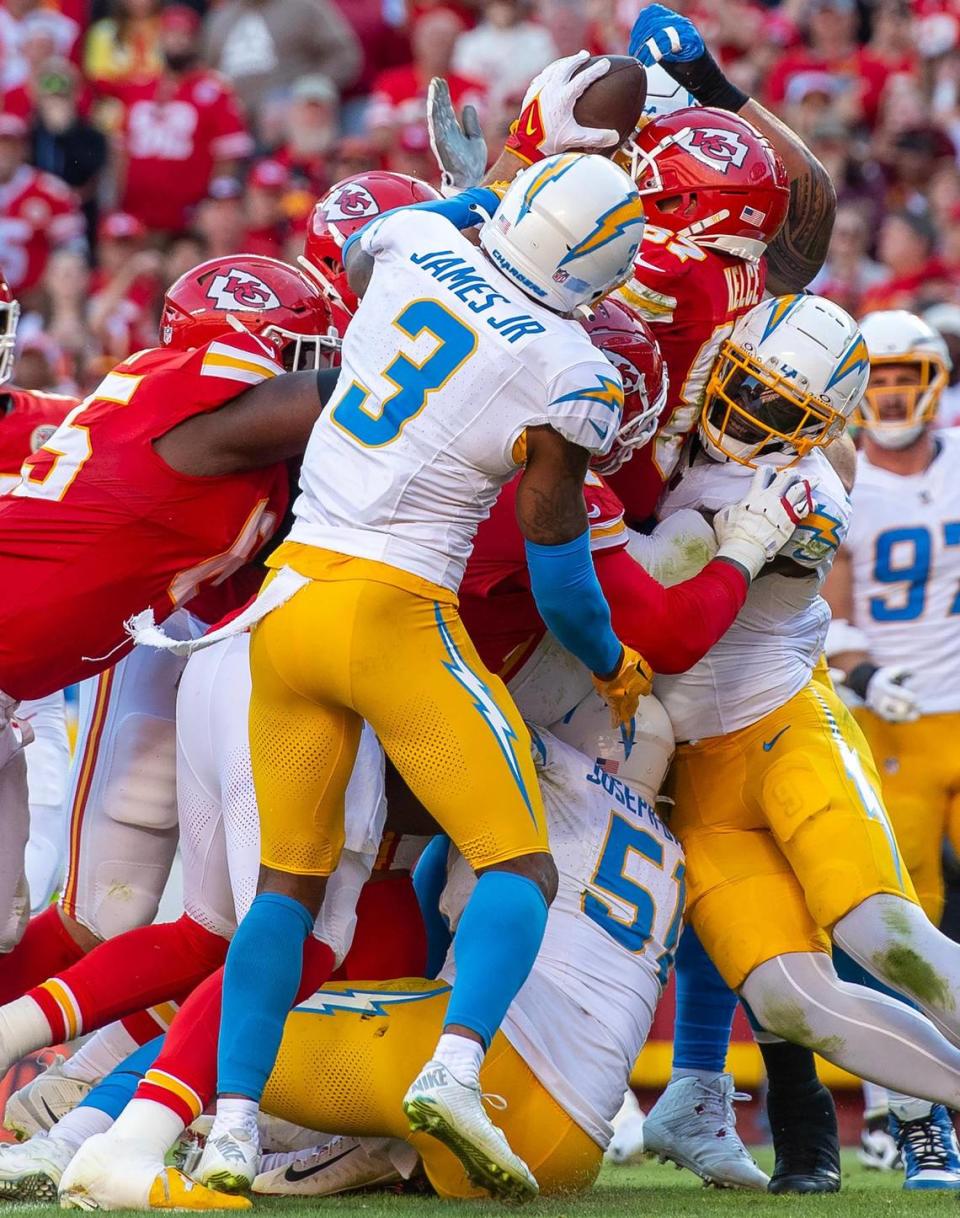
459, 147
660, 35
884, 691
546, 124
622, 692
751, 532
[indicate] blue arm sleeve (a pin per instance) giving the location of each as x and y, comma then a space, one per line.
571, 601
429, 878
460, 210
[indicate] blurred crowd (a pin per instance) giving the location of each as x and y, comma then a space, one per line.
139, 136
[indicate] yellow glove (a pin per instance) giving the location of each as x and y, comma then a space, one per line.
622, 692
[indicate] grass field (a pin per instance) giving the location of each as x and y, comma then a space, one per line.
650, 1191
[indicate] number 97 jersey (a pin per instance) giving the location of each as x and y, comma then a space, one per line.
445, 365
904, 547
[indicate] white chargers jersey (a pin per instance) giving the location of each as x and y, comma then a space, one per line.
584, 1013
445, 364
904, 546
768, 654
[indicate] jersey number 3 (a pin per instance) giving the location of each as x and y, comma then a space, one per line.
456, 342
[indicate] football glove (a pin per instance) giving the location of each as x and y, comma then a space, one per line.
751, 532
546, 124
458, 145
660, 35
622, 692
888, 696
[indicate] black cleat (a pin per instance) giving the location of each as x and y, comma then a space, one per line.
805, 1142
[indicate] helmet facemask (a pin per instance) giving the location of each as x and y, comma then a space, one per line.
895, 415
9, 316
304, 352
752, 409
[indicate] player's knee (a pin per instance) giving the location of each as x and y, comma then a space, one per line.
307, 889
539, 868
779, 1007
140, 789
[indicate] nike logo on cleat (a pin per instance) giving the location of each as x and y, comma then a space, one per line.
294, 1174
768, 744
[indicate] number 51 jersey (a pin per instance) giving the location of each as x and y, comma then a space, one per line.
100, 527
445, 365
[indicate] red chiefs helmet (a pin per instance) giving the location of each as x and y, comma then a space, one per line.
345, 208
628, 343
9, 316
251, 292
711, 177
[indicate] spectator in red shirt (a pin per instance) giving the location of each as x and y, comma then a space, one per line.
125, 288
399, 96
849, 272
38, 212
179, 131
311, 130
915, 276
267, 220
506, 50
221, 219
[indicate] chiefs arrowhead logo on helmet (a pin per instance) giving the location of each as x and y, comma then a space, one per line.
714, 147
634, 381
351, 202
240, 291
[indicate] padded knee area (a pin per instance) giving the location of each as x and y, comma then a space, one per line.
141, 790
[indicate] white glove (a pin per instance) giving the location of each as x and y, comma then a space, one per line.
888, 696
752, 531
546, 124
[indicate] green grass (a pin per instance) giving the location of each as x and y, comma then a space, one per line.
650, 1191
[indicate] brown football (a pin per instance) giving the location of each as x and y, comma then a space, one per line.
615, 100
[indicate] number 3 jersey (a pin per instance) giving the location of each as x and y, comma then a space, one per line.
904, 547
445, 365
100, 527
584, 1013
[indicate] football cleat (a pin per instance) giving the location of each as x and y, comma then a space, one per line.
928, 1147
32, 1171
340, 1166
693, 1125
38, 1106
172, 1190
878, 1147
453, 1113
111, 1173
231, 1158
805, 1142
626, 1145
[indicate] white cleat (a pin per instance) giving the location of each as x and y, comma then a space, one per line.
230, 1159
32, 1171
626, 1145
38, 1106
453, 1113
693, 1125
340, 1166
878, 1148
110, 1173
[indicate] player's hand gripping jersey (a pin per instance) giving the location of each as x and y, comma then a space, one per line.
777, 638
904, 543
445, 322
27, 420
100, 526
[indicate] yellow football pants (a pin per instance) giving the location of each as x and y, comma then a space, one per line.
784, 832
345, 1070
919, 765
365, 641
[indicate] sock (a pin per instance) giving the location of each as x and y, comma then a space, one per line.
236, 1113
462, 1056
125, 974
260, 981
906, 1108
704, 1013
115, 1091
429, 880
390, 939
78, 1124
23, 1028
876, 1101
498, 938
99, 1055
150, 1123
791, 1069
47, 948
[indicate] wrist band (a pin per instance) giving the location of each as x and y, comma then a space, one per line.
859, 678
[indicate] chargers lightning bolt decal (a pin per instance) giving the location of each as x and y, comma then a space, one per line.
606, 391
854, 359
613, 223
364, 1002
550, 173
484, 702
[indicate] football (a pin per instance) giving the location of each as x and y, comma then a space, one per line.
615, 100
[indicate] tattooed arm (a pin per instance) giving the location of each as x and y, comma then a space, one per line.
550, 505
799, 250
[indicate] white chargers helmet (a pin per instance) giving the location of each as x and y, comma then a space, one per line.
909, 369
664, 94
567, 230
639, 753
787, 379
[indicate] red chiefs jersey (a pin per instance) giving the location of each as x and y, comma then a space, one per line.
38, 212
174, 132
27, 421
691, 297
100, 527
497, 571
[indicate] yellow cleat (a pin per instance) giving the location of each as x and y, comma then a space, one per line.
172, 1190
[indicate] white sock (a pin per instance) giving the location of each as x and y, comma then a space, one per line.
148, 1121
23, 1028
462, 1057
79, 1124
236, 1112
906, 1108
703, 1076
99, 1054
876, 1101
